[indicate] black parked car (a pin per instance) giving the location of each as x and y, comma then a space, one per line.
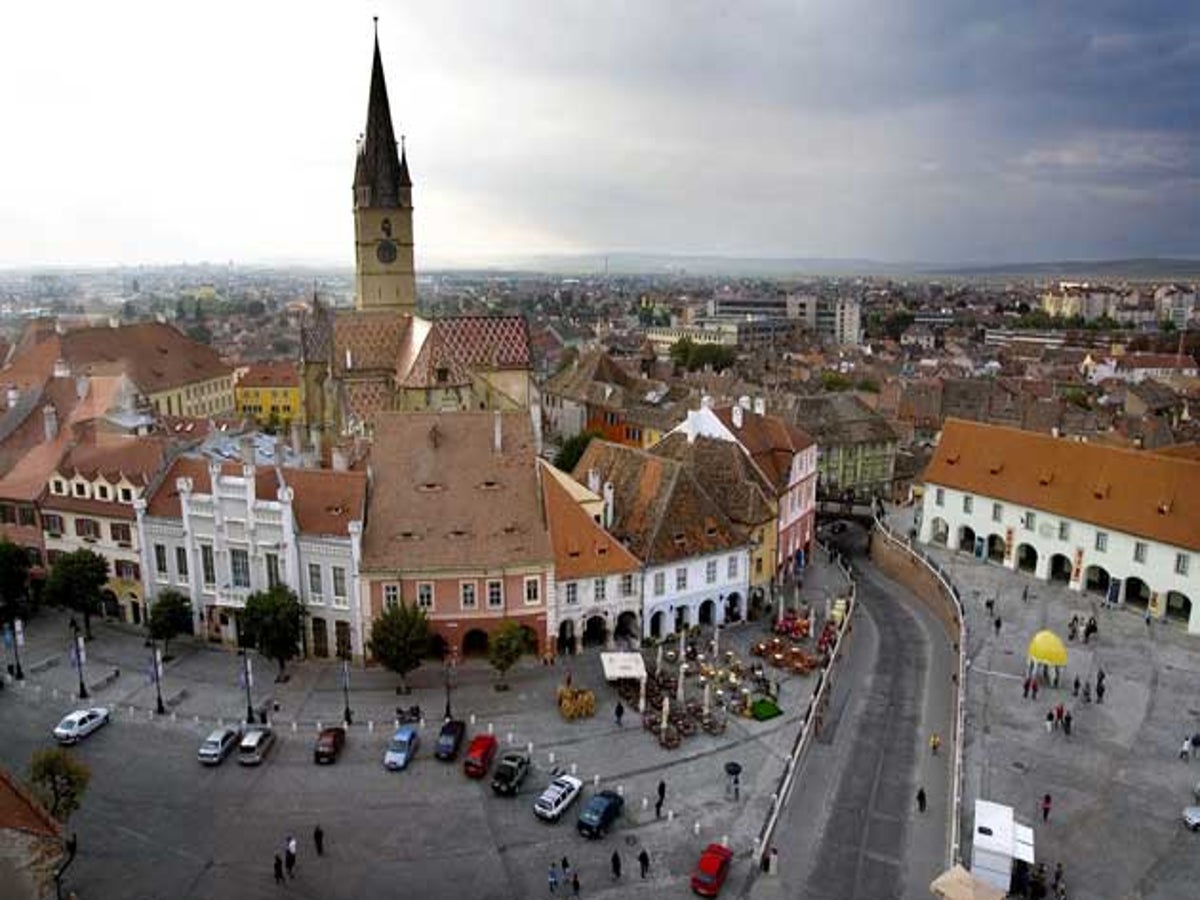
510, 772
601, 811
450, 739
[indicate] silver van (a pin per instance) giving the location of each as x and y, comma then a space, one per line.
256, 742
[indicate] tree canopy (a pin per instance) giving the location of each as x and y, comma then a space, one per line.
687, 354
14, 579
76, 581
506, 647
170, 616
400, 639
59, 780
572, 450
273, 622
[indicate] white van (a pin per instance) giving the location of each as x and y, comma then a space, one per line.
256, 742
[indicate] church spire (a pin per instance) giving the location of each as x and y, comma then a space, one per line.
379, 173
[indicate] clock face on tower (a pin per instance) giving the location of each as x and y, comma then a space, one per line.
386, 252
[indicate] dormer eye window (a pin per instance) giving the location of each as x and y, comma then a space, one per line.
80, 489
58, 487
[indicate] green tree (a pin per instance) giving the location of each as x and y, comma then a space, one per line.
833, 381
59, 780
506, 647
572, 450
273, 622
170, 616
76, 581
14, 579
681, 352
400, 639
200, 333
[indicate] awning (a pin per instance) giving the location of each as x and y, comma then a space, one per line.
959, 884
1046, 647
623, 665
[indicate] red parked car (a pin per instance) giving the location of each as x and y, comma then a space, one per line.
480, 753
712, 870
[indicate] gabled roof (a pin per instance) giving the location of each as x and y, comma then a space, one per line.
1139, 493
378, 168
271, 374
726, 473
575, 382
457, 346
367, 340
769, 440
443, 498
582, 548
164, 501
660, 511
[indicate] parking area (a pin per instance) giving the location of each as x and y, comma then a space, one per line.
156, 823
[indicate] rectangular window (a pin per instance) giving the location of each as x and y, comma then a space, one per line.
425, 595
126, 571
599, 589
572, 593
533, 592
1181, 563
733, 567
660, 583
939, 497
121, 533
25, 515
681, 579
160, 561
968, 504
88, 529
102, 491
239, 563
466, 592
126, 495
272, 570
339, 583
710, 572
1101, 541
314, 581
1064, 531
997, 511
181, 564
1139, 552
495, 594
626, 585
1030, 521
80, 489
53, 524
391, 596
208, 565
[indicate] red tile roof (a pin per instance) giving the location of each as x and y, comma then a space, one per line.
582, 549
769, 440
271, 374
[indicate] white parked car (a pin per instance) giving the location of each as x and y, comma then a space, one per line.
558, 795
80, 724
1191, 817
218, 745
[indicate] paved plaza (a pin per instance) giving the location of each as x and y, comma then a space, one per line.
1117, 783
155, 823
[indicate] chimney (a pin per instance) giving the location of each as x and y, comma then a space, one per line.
737, 416
594, 481
297, 438
247, 444
497, 432
706, 402
59, 327
744, 402
114, 322
50, 421
760, 406
608, 504
340, 460
14, 394
280, 451
61, 369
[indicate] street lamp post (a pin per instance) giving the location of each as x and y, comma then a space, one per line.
448, 669
347, 713
80, 659
156, 664
248, 680
18, 641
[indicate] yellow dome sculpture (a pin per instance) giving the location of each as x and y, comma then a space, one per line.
1046, 647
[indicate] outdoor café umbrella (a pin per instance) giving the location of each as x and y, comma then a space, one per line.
1047, 648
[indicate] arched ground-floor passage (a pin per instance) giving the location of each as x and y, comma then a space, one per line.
475, 643
656, 624
707, 610
595, 631
627, 625
1137, 592
1027, 558
733, 607
135, 609
995, 548
1096, 579
111, 605
1060, 568
530, 643
681, 619
438, 647
966, 539
1179, 606
566, 636
940, 531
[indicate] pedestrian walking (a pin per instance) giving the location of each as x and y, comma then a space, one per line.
278, 869
1049, 721
1025, 688
1100, 676
552, 877
289, 861
1058, 715
1058, 875
575, 885
644, 862
921, 799
1075, 692
1025, 593
319, 840
1087, 691
1067, 723
566, 869
935, 741
620, 712
997, 624
662, 796
616, 865
1046, 808
1099, 691
990, 606
1185, 752
1033, 689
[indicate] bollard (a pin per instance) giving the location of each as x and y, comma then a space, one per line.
294, 726
508, 738
645, 803
529, 748
370, 726
318, 727
696, 828
551, 757
620, 790
596, 781
173, 717
195, 720
151, 713
220, 722
724, 840
472, 718
574, 769
396, 723
420, 724
54, 693
670, 815
491, 728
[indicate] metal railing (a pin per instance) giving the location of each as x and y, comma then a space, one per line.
956, 786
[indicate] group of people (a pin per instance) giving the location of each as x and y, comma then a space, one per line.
288, 861
1087, 688
1059, 717
1090, 628
562, 873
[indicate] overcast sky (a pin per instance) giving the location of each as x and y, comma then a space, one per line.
934, 130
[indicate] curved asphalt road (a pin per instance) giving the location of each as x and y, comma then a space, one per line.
851, 828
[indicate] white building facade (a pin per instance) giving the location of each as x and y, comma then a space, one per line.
701, 590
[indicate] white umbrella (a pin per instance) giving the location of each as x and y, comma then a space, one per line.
642, 696
679, 688
717, 644
666, 713
658, 662
707, 698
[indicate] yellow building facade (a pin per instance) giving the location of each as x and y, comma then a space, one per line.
270, 393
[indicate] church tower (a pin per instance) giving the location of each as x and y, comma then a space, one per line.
383, 226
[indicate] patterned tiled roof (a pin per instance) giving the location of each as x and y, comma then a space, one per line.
456, 347
367, 340
364, 398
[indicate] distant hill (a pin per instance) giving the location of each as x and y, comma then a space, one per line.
1148, 269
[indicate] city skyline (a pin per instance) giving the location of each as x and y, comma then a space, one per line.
905, 132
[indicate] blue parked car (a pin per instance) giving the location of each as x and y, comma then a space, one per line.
599, 814
402, 748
